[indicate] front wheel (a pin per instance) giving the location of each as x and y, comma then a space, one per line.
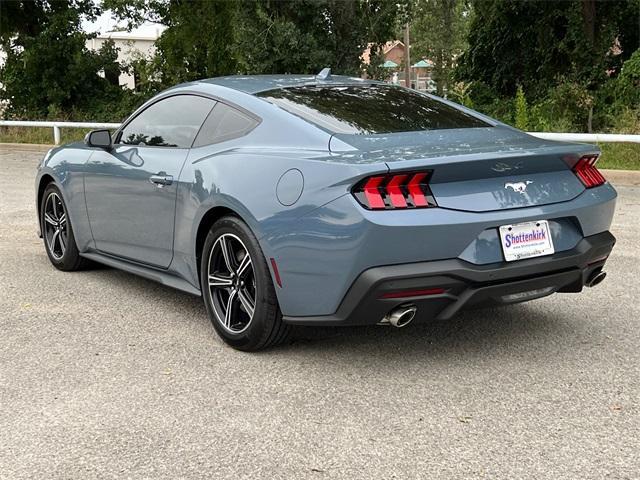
237, 288
57, 233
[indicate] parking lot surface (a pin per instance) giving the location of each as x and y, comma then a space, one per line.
106, 375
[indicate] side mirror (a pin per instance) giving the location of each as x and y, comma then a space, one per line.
99, 138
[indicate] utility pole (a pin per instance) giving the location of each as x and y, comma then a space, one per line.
407, 58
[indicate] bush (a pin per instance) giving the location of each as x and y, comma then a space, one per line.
461, 93
522, 110
628, 84
627, 121
565, 108
486, 100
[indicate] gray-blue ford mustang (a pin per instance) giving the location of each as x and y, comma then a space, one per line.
326, 200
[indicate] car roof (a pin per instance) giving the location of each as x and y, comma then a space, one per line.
253, 84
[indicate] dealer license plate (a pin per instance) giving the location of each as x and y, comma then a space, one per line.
526, 240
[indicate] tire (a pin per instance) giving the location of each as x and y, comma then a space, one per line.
57, 232
229, 282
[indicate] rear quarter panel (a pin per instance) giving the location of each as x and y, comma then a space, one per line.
246, 181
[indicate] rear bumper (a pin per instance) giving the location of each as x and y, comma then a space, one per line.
465, 284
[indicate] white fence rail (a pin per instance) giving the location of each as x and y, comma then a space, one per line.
588, 137
563, 137
57, 126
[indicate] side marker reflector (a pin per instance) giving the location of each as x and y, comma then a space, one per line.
276, 273
414, 293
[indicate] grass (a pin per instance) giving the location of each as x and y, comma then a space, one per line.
619, 156
40, 135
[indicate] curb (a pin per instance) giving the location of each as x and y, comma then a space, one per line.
27, 146
628, 178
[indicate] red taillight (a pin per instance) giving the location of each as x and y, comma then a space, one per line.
585, 169
415, 190
394, 189
403, 190
372, 192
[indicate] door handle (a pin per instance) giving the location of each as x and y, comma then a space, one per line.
161, 179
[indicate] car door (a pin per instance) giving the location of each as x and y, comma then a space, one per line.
131, 190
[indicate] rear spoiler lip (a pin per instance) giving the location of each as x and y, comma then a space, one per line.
496, 164
446, 142
570, 152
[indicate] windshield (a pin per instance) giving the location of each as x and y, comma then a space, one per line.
369, 109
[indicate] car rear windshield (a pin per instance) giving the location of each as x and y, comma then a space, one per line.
369, 109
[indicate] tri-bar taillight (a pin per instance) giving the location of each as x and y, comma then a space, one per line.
585, 169
395, 191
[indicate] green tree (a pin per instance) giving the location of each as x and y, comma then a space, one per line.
515, 42
198, 41
304, 36
262, 36
24, 19
438, 32
48, 70
135, 12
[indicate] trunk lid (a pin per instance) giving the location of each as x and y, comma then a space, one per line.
478, 169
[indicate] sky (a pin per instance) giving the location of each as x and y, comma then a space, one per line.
104, 23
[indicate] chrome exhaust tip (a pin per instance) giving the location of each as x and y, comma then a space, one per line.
401, 316
595, 278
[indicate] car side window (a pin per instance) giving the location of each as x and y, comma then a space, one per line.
171, 122
224, 123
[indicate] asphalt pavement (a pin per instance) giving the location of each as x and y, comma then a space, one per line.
107, 375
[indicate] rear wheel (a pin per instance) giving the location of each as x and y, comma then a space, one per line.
238, 292
57, 232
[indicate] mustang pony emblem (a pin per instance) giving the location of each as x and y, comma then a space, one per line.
519, 187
